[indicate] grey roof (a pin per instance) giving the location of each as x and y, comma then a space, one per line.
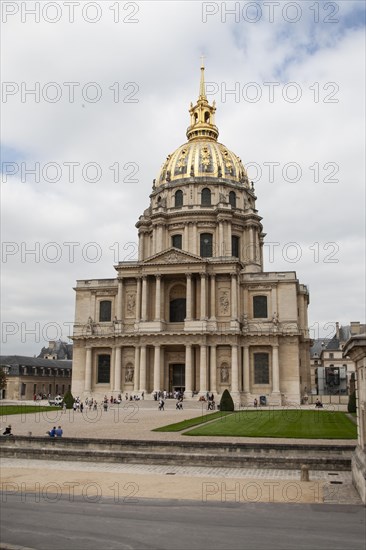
344, 335
316, 348
62, 349
21, 360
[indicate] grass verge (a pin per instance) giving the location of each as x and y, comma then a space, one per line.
285, 423
185, 424
25, 409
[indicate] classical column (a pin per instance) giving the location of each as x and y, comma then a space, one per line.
228, 251
117, 369
234, 369
144, 299
213, 298
157, 368
246, 370
143, 369
251, 244
138, 299
213, 385
203, 297
157, 297
189, 297
203, 368
186, 237
88, 369
136, 373
275, 370
194, 238
234, 298
119, 312
221, 238
141, 246
188, 371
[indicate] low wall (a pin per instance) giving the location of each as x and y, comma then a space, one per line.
225, 454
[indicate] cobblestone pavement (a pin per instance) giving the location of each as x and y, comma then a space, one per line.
132, 420
189, 482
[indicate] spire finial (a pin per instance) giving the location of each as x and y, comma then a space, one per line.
202, 83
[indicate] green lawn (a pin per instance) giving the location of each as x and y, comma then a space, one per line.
185, 424
25, 409
317, 424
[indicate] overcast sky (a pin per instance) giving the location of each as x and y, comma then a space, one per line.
113, 82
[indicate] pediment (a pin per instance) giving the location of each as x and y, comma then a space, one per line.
173, 256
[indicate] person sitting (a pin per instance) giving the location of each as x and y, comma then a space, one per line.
7, 430
52, 432
318, 404
58, 432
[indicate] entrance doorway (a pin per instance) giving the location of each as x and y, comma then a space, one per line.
177, 378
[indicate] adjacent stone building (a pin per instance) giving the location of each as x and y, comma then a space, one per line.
29, 376
355, 348
196, 311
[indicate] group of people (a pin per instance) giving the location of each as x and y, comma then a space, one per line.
55, 432
7, 430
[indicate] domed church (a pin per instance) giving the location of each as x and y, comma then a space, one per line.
196, 312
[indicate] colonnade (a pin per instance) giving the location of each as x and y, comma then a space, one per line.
160, 240
240, 380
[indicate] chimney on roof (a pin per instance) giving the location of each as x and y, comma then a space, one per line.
355, 328
337, 330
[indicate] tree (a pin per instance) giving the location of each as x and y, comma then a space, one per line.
3, 379
68, 399
352, 402
226, 402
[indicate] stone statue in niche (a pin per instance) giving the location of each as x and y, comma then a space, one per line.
245, 322
224, 374
90, 325
224, 301
129, 374
131, 302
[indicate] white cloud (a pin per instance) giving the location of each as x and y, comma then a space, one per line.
160, 54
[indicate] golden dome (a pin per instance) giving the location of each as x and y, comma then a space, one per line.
202, 156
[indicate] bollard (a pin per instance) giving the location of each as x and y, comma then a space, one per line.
304, 472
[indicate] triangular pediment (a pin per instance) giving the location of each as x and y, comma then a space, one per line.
173, 256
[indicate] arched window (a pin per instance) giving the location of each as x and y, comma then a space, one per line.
260, 307
206, 197
206, 245
235, 241
177, 304
232, 199
207, 117
178, 198
105, 311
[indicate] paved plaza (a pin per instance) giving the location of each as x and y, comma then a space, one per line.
135, 421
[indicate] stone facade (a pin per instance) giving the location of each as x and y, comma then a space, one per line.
29, 376
355, 348
196, 311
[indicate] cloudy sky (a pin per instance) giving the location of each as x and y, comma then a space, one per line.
95, 95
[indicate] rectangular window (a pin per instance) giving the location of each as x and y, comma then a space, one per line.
260, 307
177, 241
105, 311
235, 246
206, 245
104, 369
261, 368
